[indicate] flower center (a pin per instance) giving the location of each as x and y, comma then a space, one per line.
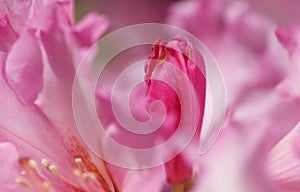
46, 177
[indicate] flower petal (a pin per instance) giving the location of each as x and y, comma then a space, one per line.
90, 28
7, 34
8, 165
285, 161
24, 67
290, 38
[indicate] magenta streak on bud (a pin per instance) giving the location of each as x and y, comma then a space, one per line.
180, 53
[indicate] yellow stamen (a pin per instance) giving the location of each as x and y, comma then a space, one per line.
46, 185
33, 164
77, 172
22, 183
54, 170
89, 175
45, 162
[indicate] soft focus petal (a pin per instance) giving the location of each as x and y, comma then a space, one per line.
290, 39
284, 12
241, 41
24, 67
90, 28
8, 165
285, 162
59, 68
7, 34
236, 163
154, 177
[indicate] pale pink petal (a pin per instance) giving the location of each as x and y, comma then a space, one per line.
236, 162
9, 169
56, 13
154, 178
58, 74
290, 39
285, 162
24, 67
90, 28
7, 34
29, 126
20, 12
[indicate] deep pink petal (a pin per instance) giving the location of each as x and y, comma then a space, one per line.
180, 54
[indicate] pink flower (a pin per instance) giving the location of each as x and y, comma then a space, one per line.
40, 49
180, 53
173, 76
284, 158
241, 40
257, 148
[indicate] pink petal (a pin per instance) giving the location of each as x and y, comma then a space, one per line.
7, 34
227, 28
55, 97
48, 16
24, 67
90, 28
290, 39
8, 165
285, 161
20, 12
180, 54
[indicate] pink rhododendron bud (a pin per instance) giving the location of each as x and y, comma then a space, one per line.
180, 53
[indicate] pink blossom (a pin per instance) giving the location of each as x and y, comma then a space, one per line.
178, 52
175, 60
260, 123
257, 149
241, 40
40, 50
